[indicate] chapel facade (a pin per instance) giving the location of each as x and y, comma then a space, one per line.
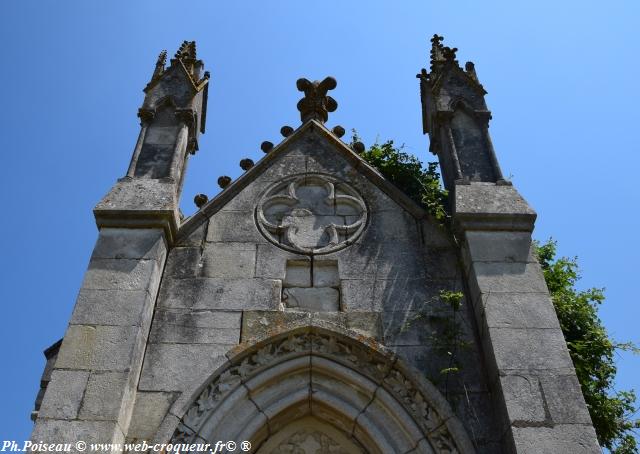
311, 306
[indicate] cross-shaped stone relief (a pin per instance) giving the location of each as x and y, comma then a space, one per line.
312, 214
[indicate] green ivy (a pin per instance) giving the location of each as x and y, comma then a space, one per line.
589, 345
407, 173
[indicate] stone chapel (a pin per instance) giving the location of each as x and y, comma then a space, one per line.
306, 308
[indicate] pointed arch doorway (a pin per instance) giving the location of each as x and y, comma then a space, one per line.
314, 390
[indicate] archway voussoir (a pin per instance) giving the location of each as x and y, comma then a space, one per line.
386, 414
295, 367
342, 378
351, 353
235, 406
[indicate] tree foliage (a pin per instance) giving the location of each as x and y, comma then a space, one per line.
590, 347
407, 173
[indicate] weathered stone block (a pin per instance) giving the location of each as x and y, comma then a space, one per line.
486, 206
399, 261
434, 236
406, 294
285, 165
60, 431
139, 195
436, 365
564, 399
298, 273
499, 246
199, 318
476, 411
358, 261
322, 160
229, 260
441, 264
64, 394
161, 135
173, 367
107, 348
519, 310
523, 398
195, 238
246, 199
499, 277
148, 413
527, 349
366, 323
271, 261
357, 294
115, 243
183, 334
260, 324
377, 199
218, 293
563, 438
154, 161
313, 299
325, 274
408, 328
103, 399
234, 226
112, 307
183, 262
122, 274
396, 225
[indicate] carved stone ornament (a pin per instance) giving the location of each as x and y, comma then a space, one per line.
311, 214
418, 401
310, 441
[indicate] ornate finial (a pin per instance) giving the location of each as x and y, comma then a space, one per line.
470, 68
436, 50
187, 55
162, 60
200, 200
338, 131
358, 147
187, 51
246, 164
440, 54
316, 104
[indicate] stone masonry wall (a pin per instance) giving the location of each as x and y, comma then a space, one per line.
223, 284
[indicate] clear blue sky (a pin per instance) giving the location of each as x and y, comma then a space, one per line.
562, 82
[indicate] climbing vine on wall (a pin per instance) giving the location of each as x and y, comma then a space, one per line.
591, 348
407, 173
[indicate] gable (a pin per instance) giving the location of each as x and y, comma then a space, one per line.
310, 150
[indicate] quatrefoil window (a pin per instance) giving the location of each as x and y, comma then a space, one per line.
311, 214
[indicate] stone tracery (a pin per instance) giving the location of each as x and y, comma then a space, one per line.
311, 371
311, 214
